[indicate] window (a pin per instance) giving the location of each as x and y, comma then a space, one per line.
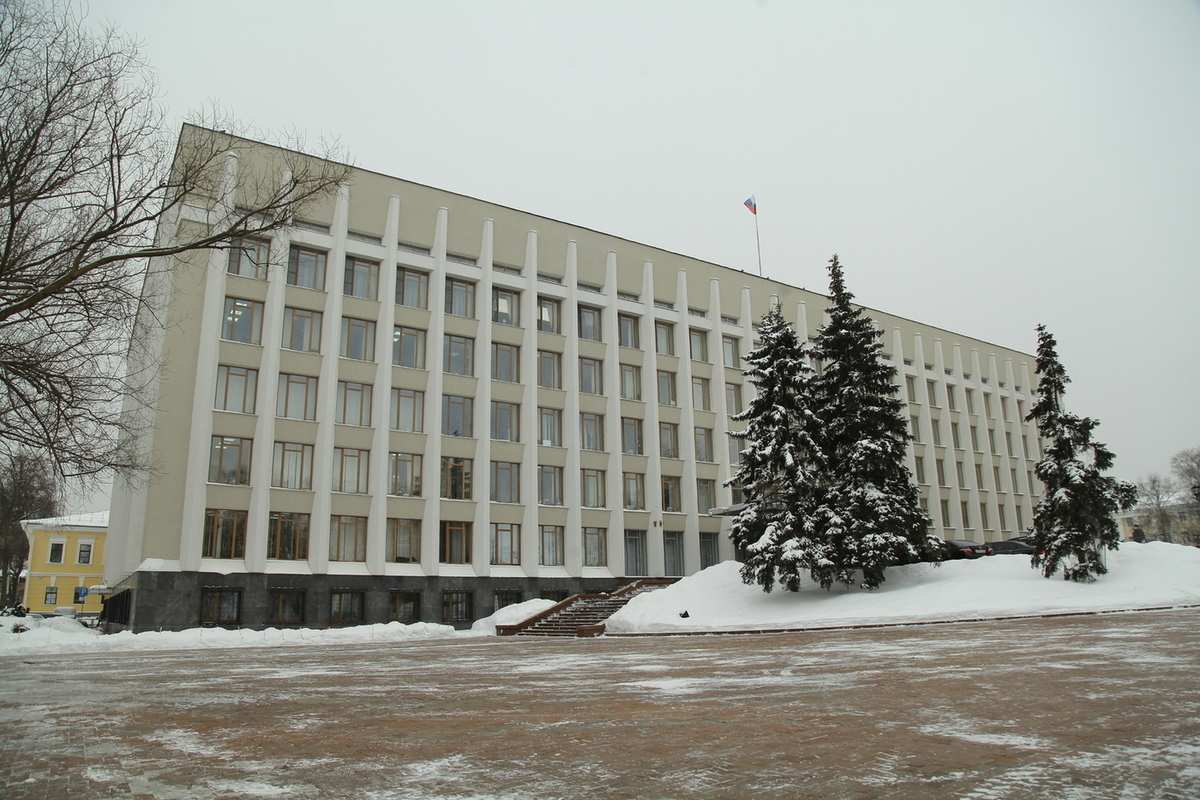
672, 496
358, 339
460, 298
962, 509
1008, 442
710, 552
506, 543
550, 427
920, 469
961, 472
595, 547
224, 533
1003, 516
506, 482
236, 387
941, 472
353, 404
970, 395
673, 552
403, 541
404, 607
668, 440
456, 607
627, 331
306, 268
635, 552
951, 403
408, 347
550, 485
591, 376
459, 355
455, 543
287, 536
549, 369
292, 465
914, 424
979, 477
910, 384
296, 397
700, 400
285, 606
220, 607
506, 362
975, 439
698, 344
345, 608
56, 552
666, 388
937, 432
591, 431
347, 538
551, 545
631, 382
404, 474
733, 398
84, 554
506, 307
549, 315
931, 387
242, 321
992, 440
229, 460
458, 416
736, 445
1003, 414
706, 494
80, 596
456, 478
1012, 473
248, 258
589, 323
729, 352
631, 436
301, 330
996, 478
412, 288
945, 504
954, 437
704, 444
361, 278
350, 470
50, 596
664, 338
1020, 518
506, 421
983, 517
408, 410
592, 483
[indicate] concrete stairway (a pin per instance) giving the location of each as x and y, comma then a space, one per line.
582, 614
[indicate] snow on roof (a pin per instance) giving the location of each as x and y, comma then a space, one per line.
91, 519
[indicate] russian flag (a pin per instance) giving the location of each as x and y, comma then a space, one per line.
752, 205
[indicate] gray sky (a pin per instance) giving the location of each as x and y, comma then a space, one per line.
981, 167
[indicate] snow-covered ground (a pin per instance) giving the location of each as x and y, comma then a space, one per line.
1140, 576
511, 615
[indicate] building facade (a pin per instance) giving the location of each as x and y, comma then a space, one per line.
420, 405
66, 559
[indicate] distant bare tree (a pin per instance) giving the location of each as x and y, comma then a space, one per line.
89, 176
1156, 495
28, 490
1186, 466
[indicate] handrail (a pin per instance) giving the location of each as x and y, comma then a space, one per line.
562, 605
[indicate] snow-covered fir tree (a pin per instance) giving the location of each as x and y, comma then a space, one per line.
1075, 518
869, 514
773, 531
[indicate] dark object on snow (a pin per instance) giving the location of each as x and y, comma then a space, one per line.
1016, 546
960, 548
19, 628
684, 614
1139, 535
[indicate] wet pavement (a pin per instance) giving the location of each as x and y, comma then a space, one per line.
1105, 706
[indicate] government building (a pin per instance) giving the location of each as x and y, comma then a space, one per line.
417, 405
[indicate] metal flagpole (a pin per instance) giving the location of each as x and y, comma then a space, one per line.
757, 242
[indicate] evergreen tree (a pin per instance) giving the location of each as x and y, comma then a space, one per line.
1074, 519
869, 514
773, 532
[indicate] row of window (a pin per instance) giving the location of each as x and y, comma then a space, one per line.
83, 552
961, 470
969, 393
287, 606
50, 595
984, 519
915, 427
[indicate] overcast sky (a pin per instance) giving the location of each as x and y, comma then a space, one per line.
978, 166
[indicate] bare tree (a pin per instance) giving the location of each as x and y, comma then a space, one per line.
1156, 495
1186, 466
28, 490
91, 189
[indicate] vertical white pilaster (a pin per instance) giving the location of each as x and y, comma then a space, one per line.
687, 436
652, 442
613, 489
530, 534
721, 426
481, 554
926, 448
431, 480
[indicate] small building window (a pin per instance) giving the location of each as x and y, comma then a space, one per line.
345, 608
221, 607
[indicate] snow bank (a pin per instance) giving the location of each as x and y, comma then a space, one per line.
1140, 576
511, 615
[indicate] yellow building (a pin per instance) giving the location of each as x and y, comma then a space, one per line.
66, 557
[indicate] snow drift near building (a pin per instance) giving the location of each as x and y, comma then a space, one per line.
511, 615
1140, 576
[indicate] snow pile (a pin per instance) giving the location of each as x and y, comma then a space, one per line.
511, 615
1140, 576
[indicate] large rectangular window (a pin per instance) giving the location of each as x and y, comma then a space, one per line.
347, 538
664, 338
292, 465
296, 397
460, 298
306, 268
361, 278
634, 490
595, 547
706, 494
506, 482
550, 427
627, 331
350, 470
673, 552
408, 347
229, 460
248, 258
458, 356
408, 410
412, 288
672, 496
698, 344
403, 541
550, 485
456, 607
506, 306
236, 388
506, 362
666, 388
704, 444
506, 543
592, 488
668, 440
346, 608
733, 398
635, 552
591, 431
729, 352
405, 607
455, 544
242, 321
552, 545
549, 315
456, 478
404, 474
506, 421
549, 369
710, 553
353, 404
285, 606
631, 382
301, 330
458, 416
357, 340
224, 533
700, 398
631, 436
287, 536
591, 376
589, 324
220, 608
